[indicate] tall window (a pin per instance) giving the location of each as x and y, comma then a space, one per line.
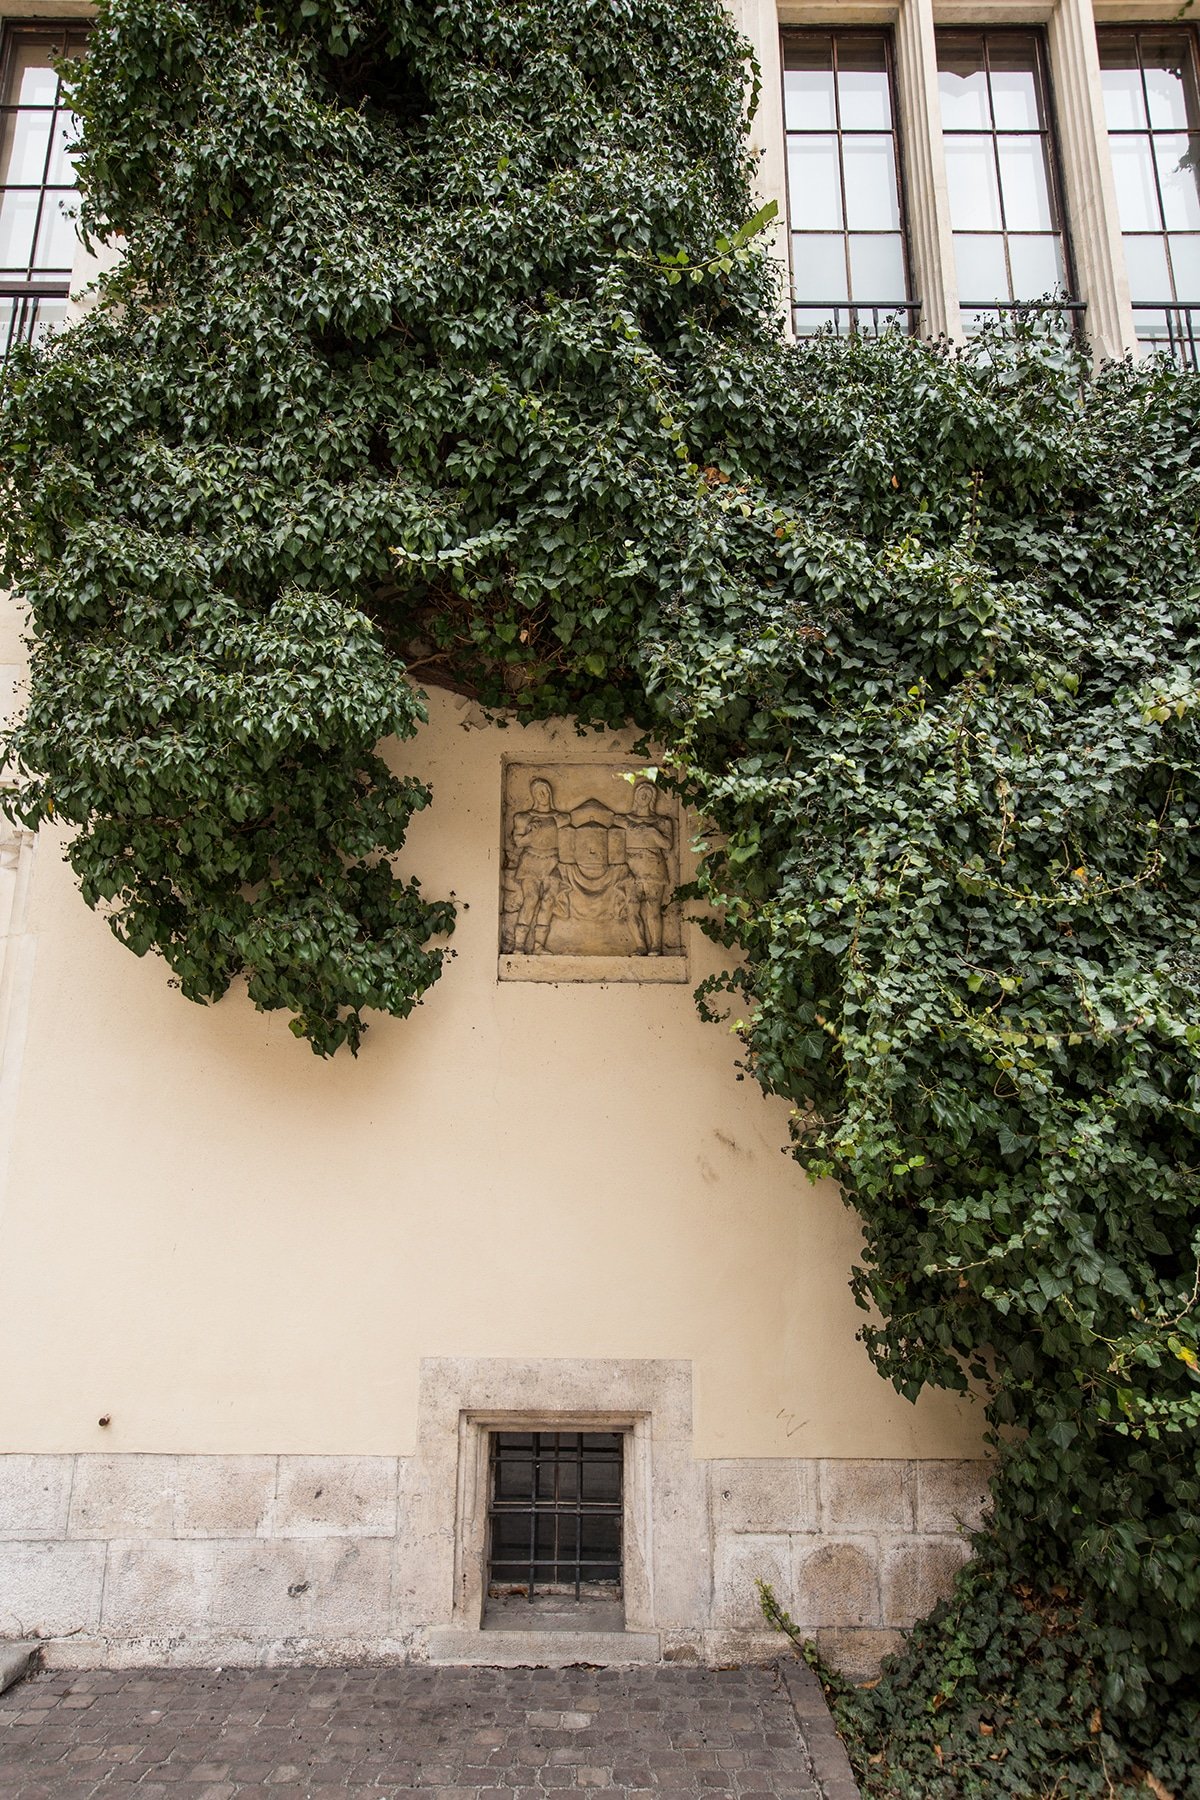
849, 267
1005, 211
1152, 105
37, 180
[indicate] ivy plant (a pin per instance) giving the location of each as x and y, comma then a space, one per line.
443, 349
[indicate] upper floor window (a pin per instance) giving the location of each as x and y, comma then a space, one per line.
845, 209
1152, 107
1001, 166
37, 179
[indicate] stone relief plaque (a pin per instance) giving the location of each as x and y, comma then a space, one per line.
590, 862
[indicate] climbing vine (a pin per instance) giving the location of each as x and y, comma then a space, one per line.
442, 341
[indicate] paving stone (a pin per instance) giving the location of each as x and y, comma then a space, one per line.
462, 1734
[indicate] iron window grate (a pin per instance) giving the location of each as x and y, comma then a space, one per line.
554, 1514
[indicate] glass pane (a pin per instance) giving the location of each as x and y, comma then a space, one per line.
814, 191
877, 268
1153, 330
863, 84
1146, 262
870, 171
807, 320
1025, 184
819, 266
808, 84
1185, 259
980, 262
1037, 267
1013, 59
18, 218
975, 319
962, 83
61, 172
1178, 160
1124, 107
50, 313
56, 233
1166, 58
24, 140
31, 80
971, 176
1133, 173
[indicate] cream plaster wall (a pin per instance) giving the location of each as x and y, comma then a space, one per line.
226, 1245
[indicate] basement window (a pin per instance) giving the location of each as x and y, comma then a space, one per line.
555, 1502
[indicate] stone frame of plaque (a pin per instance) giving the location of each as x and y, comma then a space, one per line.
589, 865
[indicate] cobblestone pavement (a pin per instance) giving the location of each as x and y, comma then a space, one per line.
440, 1733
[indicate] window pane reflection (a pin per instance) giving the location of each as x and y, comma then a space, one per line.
872, 201
1137, 194
18, 222
982, 274
1185, 260
864, 94
1178, 158
1037, 266
24, 145
814, 175
1011, 72
1149, 271
808, 85
973, 182
844, 201
55, 250
819, 264
1025, 183
877, 267
962, 84
1124, 96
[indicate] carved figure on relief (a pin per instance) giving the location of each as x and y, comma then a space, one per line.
588, 879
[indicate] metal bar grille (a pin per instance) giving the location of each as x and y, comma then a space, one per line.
554, 1514
864, 318
1172, 330
26, 315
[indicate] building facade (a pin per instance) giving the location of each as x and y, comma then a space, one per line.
519, 1338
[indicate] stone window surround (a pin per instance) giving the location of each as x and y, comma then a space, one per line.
463, 1399
1082, 136
470, 1534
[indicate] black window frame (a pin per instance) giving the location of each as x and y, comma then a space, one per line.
1071, 304
1182, 313
860, 315
26, 294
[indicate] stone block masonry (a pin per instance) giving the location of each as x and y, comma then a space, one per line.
127, 1560
197, 1560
